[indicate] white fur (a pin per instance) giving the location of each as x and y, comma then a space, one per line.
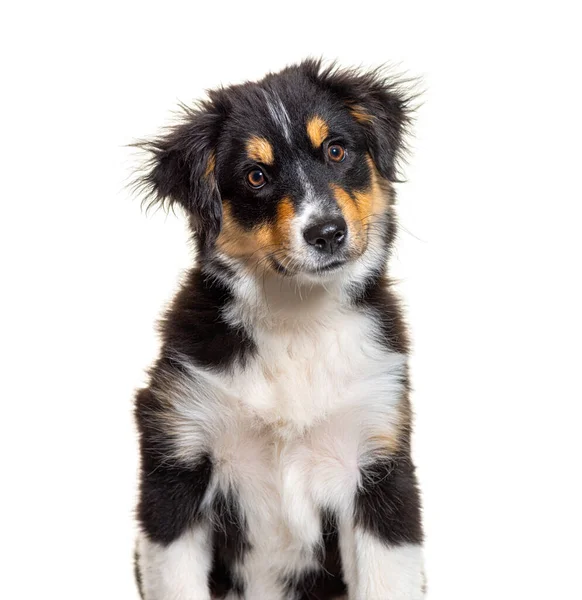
289, 429
279, 114
309, 195
387, 572
178, 571
347, 547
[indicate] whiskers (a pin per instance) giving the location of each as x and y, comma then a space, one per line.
377, 222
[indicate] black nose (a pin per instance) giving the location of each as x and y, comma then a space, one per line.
327, 236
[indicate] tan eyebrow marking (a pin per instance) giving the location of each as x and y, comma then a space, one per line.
260, 149
317, 130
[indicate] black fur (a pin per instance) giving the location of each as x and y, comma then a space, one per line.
327, 581
229, 541
170, 494
194, 327
387, 102
388, 503
222, 580
376, 297
176, 172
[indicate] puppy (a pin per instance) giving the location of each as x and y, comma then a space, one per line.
275, 429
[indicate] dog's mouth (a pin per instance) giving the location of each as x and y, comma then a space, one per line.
326, 268
278, 267
319, 269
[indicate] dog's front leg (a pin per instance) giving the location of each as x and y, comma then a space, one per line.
174, 550
178, 570
384, 553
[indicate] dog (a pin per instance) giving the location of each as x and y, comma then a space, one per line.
275, 429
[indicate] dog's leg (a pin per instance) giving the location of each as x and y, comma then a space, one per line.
174, 547
179, 570
263, 582
387, 572
385, 548
347, 547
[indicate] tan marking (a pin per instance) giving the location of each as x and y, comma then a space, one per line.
260, 149
390, 437
360, 114
360, 208
317, 130
210, 166
350, 211
234, 240
383, 190
285, 216
256, 243
385, 441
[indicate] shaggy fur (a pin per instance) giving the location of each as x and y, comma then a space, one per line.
275, 429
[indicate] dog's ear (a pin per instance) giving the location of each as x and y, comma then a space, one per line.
380, 103
181, 167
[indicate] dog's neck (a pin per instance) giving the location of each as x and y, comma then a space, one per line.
267, 300
273, 300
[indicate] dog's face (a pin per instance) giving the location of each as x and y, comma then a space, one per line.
291, 174
299, 188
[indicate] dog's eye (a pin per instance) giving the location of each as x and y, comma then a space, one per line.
256, 178
336, 152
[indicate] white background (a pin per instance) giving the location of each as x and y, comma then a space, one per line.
488, 259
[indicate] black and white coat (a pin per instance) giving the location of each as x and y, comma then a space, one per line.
275, 430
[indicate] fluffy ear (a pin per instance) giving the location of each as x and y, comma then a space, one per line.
180, 168
381, 104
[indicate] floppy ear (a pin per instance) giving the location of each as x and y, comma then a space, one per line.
180, 168
380, 104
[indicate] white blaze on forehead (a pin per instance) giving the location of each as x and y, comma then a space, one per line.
309, 195
279, 114
310, 201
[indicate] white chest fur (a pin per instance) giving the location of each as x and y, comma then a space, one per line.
304, 374
290, 428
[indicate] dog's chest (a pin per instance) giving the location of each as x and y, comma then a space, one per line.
287, 429
283, 486
296, 421
303, 374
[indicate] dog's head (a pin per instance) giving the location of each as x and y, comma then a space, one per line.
292, 173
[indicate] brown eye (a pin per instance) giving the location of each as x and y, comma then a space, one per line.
256, 178
336, 152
